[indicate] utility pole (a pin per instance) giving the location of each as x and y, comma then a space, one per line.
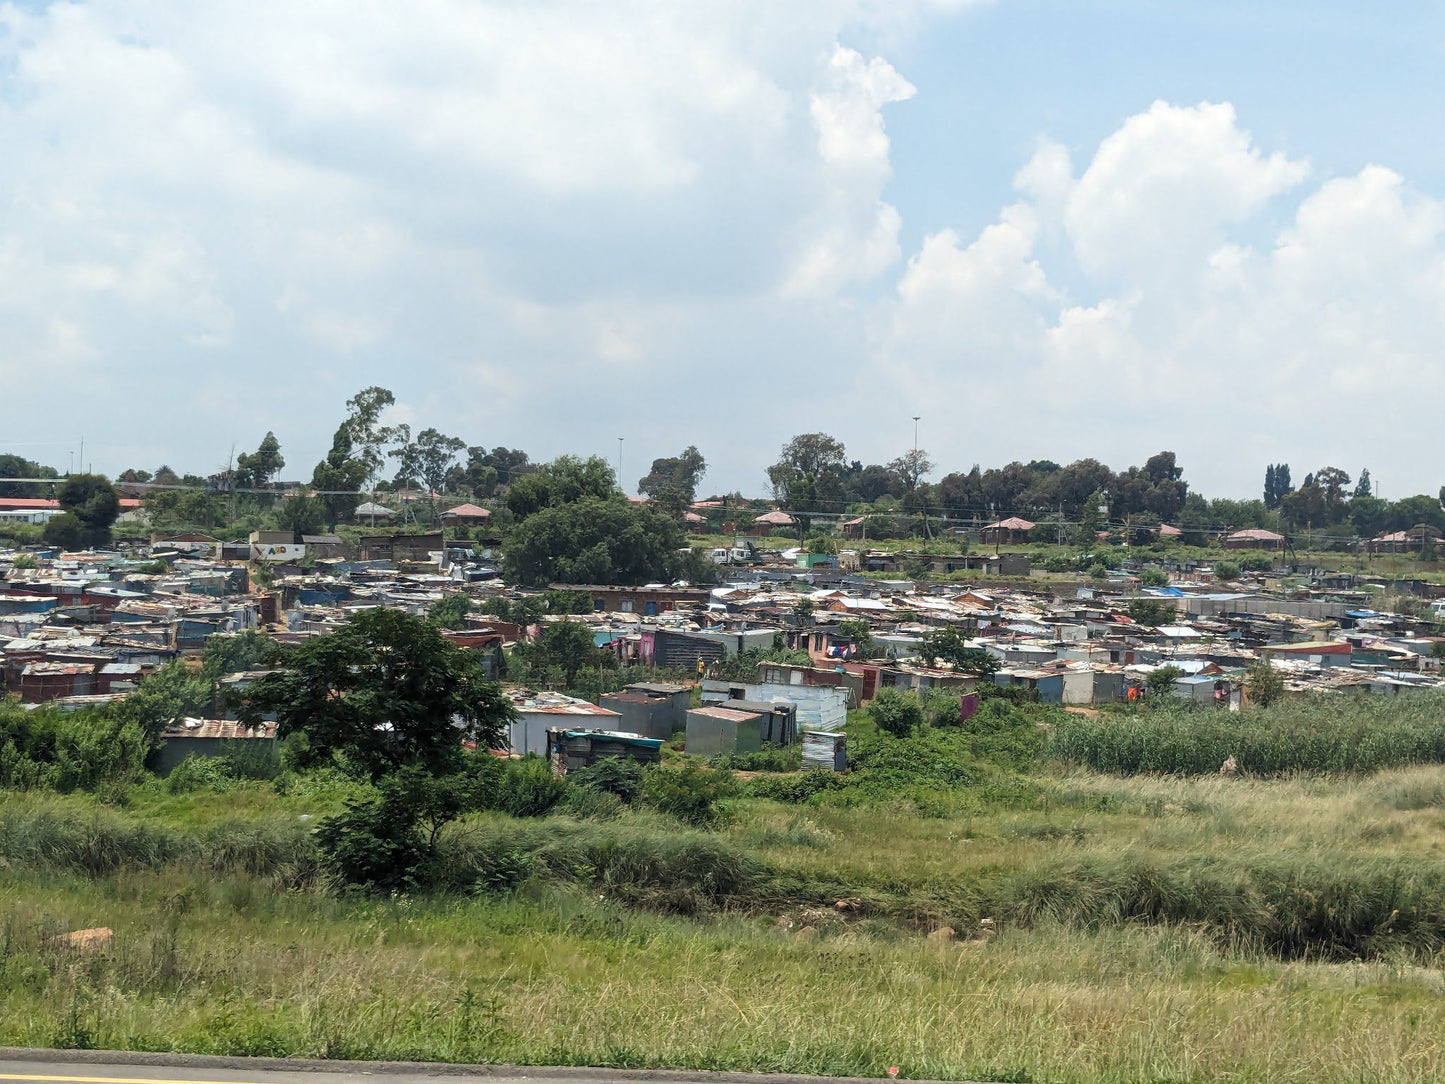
619, 465
231, 485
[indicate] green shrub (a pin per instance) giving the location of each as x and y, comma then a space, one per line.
771, 758
689, 793
376, 843
1226, 570
198, 772
618, 776
799, 787
1006, 734
65, 751
896, 713
525, 788
591, 804
667, 868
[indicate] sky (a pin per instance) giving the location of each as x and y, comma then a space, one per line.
1046, 229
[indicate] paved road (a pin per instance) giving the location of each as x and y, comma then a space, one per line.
105, 1067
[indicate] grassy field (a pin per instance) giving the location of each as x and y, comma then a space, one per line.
1148, 929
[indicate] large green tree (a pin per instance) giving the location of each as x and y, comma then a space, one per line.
15, 466
567, 646
427, 460
566, 479
593, 541
254, 470
671, 484
384, 691
808, 476
358, 450
91, 507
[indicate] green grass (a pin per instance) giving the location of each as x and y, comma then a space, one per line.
1335, 733
1280, 925
1150, 929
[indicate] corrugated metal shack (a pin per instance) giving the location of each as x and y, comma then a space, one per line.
819, 707
539, 712
826, 750
212, 738
654, 709
780, 719
569, 750
715, 732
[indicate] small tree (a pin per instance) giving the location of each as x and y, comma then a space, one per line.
91, 506
1147, 611
383, 691
450, 611
1161, 679
567, 646
1264, 684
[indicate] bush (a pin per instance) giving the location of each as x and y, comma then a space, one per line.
799, 787
1006, 734
896, 713
618, 776
1162, 679
1226, 570
65, 751
664, 867
1154, 577
1264, 684
376, 843
525, 788
689, 793
591, 804
771, 758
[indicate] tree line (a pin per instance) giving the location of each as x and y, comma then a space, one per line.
813, 476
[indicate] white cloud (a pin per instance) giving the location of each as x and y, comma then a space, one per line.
1160, 190
852, 234
308, 197
533, 220
1229, 353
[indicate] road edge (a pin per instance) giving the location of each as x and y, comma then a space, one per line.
420, 1068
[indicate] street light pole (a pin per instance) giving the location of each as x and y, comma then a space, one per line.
923, 514
619, 465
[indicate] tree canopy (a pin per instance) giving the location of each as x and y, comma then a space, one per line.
91, 507
563, 481
808, 476
358, 450
255, 470
672, 482
384, 691
592, 540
